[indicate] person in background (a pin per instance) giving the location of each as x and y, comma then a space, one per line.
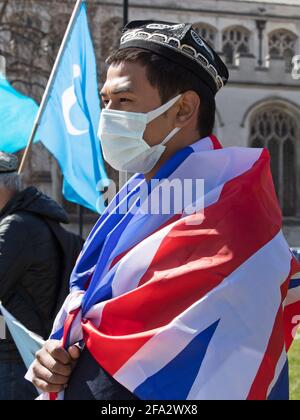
36, 258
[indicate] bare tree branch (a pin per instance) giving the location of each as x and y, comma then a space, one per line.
3, 10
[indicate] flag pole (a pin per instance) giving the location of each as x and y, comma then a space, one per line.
50, 83
125, 12
80, 220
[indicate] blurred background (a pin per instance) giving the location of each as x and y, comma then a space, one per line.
259, 108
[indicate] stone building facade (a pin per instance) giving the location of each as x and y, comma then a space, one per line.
260, 107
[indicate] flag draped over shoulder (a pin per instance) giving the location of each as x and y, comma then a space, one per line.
70, 121
185, 307
17, 115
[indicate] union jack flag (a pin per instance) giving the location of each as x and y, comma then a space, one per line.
183, 307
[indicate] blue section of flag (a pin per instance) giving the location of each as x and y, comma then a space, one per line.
280, 392
57, 335
70, 121
168, 383
296, 252
106, 235
17, 115
294, 283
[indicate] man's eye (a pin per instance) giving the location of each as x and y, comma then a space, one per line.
125, 100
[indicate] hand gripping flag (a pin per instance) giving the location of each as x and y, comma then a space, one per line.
186, 307
70, 121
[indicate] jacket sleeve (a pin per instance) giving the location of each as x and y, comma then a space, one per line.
15, 248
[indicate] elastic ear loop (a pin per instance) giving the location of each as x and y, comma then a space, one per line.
171, 135
152, 115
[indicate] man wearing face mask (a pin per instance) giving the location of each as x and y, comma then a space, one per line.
137, 302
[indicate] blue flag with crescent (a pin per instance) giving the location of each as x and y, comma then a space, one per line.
69, 124
17, 115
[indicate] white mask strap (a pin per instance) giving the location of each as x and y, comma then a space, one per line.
162, 109
171, 135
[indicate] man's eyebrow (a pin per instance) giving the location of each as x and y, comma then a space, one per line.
122, 89
119, 89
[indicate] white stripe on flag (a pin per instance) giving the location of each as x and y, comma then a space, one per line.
129, 271
250, 305
241, 334
293, 296
203, 145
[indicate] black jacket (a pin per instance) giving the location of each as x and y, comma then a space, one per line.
89, 381
36, 258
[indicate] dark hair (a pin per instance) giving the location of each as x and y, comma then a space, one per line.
171, 79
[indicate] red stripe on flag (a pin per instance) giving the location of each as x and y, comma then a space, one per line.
217, 145
123, 254
112, 352
292, 323
267, 368
192, 260
292, 312
266, 372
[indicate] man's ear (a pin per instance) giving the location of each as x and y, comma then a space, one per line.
188, 109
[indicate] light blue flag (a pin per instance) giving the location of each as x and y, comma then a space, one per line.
17, 115
27, 342
69, 124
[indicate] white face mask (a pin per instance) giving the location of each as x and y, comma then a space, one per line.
121, 135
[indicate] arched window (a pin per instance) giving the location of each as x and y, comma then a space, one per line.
276, 130
282, 43
207, 32
235, 40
